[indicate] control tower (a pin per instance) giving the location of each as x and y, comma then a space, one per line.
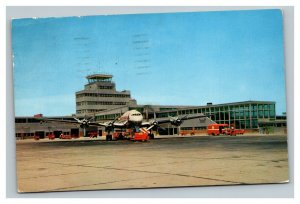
99, 78
100, 94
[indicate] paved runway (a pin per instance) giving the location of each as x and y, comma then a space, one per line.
182, 161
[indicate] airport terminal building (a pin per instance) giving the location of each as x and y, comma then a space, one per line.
101, 100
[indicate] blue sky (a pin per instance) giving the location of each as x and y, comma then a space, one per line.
167, 59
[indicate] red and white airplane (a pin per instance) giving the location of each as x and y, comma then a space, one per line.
132, 119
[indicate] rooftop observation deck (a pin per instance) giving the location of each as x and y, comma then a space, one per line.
99, 78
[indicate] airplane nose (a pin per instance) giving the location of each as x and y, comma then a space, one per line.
137, 119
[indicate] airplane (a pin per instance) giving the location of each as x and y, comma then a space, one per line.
131, 119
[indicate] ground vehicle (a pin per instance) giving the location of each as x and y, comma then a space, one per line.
63, 136
51, 136
93, 134
232, 131
140, 136
218, 129
119, 135
128, 133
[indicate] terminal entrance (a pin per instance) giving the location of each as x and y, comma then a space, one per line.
74, 132
57, 133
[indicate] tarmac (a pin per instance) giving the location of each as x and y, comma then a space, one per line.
167, 161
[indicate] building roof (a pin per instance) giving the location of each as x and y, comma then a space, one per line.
99, 76
240, 102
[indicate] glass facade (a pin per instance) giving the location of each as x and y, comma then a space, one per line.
243, 115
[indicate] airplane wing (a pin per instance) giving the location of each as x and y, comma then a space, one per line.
73, 121
177, 119
172, 120
114, 124
56, 120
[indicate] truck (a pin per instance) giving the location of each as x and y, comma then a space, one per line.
129, 134
224, 129
216, 129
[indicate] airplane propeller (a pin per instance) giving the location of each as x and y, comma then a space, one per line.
84, 123
177, 121
153, 123
110, 125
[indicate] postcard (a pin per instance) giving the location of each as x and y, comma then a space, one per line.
150, 100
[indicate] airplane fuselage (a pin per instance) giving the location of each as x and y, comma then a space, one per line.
133, 117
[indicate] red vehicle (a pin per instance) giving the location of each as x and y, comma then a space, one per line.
141, 136
230, 131
217, 129
93, 134
51, 136
63, 136
129, 134
118, 135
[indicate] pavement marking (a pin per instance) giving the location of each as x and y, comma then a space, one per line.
102, 183
152, 172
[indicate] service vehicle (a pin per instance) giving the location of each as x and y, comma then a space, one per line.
216, 129
223, 129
